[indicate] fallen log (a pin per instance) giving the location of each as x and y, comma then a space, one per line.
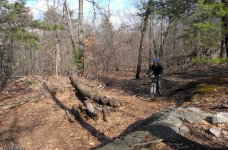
97, 98
101, 99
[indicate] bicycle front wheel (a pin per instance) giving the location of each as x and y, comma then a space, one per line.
153, 92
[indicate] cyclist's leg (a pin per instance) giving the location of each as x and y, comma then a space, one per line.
159, 85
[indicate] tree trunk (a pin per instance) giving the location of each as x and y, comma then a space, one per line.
155, 46
224, 29
57, 58
57, 55
226, 43
148, 12
162, 40
70, 25
151, 41
222, 49
81, 34
174, 42
1, 60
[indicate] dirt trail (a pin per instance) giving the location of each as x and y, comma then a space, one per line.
41, 123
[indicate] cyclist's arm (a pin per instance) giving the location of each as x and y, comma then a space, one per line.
148, 72
161, 72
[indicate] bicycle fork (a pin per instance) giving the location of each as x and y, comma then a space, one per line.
153, 89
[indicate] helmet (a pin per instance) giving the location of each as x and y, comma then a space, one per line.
155, 60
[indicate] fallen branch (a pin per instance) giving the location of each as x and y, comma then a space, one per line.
105, 112
146, 143
76, 114
70, 116
20, 102
92, 111
224, 106
40, 96
101, 87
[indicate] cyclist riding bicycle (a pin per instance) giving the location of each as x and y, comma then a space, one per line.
157, 71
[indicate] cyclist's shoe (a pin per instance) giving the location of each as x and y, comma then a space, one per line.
160, 93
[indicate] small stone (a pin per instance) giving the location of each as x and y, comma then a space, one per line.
195, 97
225, 133
214, 139
184, 129
216, 131
91, 143
194, 109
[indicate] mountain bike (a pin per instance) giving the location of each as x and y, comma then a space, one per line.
153, 87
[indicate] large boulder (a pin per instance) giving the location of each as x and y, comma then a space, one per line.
167, 125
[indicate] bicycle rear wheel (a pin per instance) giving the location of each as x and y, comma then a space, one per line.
153, 94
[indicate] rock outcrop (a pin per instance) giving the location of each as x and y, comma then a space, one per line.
167, 125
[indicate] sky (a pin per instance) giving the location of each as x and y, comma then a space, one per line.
119, 9
116, 6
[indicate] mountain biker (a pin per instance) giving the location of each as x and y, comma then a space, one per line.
157, 71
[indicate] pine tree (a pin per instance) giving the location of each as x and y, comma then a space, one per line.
15, 29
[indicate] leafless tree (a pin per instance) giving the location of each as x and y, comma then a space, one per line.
81, 32
145, 24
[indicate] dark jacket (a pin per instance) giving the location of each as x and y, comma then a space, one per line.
156, 70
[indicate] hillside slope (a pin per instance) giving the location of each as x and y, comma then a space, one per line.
33, 118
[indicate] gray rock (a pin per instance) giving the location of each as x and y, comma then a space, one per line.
166, 124
221, 117
129, 140
117, 144
171, 122
194, 117
216, 131
135, 137
191, 115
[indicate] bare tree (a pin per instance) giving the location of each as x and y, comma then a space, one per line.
70, 24
224, 42
153, 46
57, 40
145, 24
81, 34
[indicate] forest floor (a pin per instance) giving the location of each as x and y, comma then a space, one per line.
34, 118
